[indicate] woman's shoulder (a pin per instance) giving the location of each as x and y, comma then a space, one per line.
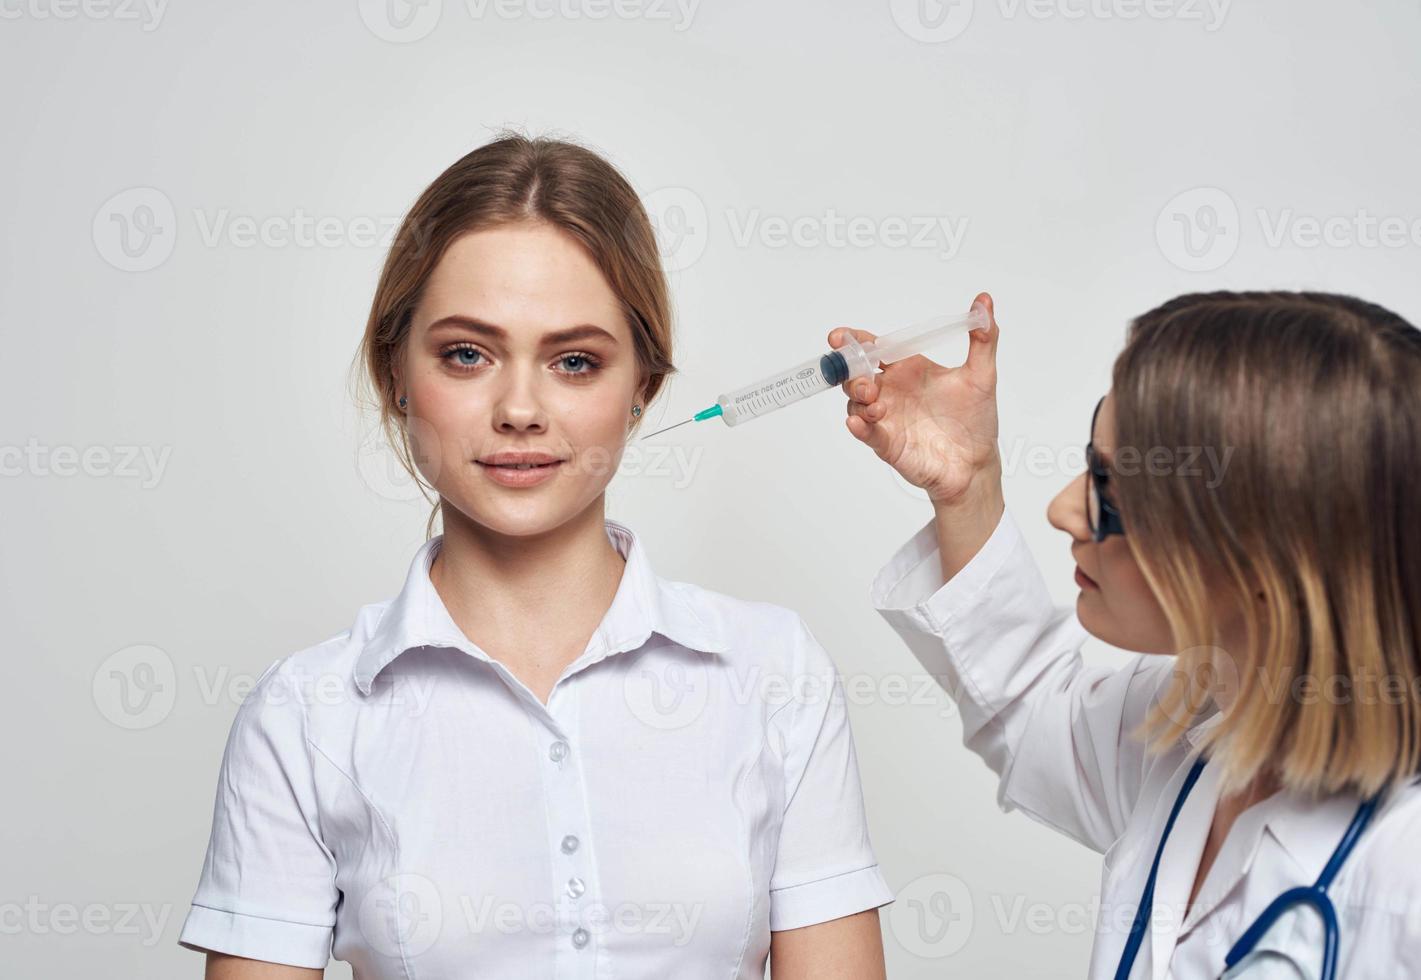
751, 628
324, 670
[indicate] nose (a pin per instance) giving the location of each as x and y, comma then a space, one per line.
1067, 510
518, 407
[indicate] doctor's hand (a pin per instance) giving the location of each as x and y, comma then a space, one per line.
937, 426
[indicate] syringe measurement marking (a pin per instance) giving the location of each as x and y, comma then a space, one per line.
773, 397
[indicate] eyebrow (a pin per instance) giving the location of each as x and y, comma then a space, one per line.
582, 331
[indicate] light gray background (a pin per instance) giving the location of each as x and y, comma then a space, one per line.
162, 296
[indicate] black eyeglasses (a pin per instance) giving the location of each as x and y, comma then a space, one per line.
1101, 513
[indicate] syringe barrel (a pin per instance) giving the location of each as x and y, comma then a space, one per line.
919, 337
781, 389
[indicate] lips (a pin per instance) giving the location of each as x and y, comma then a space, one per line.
520, 461
519, 469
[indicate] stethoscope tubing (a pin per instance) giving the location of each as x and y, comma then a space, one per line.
1314, 894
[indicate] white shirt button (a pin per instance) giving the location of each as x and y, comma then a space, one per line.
579, 938
558, 751
575, 887
569, 844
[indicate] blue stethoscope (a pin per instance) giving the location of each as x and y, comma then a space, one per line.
1314, 894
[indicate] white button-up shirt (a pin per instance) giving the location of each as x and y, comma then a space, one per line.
398, 799
1058, 733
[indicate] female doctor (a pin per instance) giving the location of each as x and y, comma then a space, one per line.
1249, 523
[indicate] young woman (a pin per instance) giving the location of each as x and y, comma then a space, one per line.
539, 759
1249, 508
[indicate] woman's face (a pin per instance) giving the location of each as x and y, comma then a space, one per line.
1116, 602
520, 375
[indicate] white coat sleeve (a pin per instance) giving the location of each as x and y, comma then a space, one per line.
1057, 732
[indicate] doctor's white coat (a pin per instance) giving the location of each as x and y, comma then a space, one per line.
1058, 734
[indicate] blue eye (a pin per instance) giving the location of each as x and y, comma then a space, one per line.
577, 364
464, 357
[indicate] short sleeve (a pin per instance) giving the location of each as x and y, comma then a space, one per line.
825, 867
267, 889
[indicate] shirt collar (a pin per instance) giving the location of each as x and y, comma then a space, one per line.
1309, 829
1200, 729
643, 605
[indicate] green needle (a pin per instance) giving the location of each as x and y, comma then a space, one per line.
701, 416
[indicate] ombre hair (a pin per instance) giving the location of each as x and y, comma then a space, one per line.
509, 180
1312, 534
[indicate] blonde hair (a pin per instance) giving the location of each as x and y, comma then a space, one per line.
515, 179
1313, 530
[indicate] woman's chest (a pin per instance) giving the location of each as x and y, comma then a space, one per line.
482, 836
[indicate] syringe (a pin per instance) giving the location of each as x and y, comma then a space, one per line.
852, 360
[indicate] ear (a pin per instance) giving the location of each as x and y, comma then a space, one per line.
643, 385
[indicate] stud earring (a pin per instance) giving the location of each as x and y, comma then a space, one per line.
636, 411
403, 401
